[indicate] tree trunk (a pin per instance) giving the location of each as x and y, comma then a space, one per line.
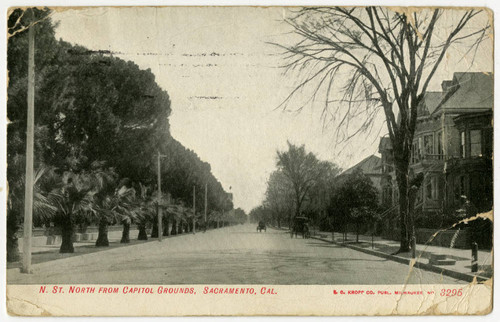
297, 206
13, 254
166, 231
67, 237
143, 235
174, 227
125, 233
415, 185
102, 239
402, 174
154, 230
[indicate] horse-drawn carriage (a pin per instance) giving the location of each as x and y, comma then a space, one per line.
300, 226
261, 226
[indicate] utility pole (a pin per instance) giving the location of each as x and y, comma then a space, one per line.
28, 191
206, 187
194, 209
160, 210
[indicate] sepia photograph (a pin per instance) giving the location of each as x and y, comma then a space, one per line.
245, 160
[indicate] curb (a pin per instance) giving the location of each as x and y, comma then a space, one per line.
436, 269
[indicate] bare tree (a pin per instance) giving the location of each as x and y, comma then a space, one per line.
382, 59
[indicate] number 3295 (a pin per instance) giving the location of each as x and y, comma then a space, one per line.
451, 292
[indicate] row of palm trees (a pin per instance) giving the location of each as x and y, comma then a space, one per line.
99, 196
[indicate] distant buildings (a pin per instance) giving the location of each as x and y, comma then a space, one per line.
371, 167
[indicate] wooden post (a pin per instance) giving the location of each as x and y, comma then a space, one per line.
160, 210
474, 262
30, 126
194, 209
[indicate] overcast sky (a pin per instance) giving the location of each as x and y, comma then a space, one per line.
222, 77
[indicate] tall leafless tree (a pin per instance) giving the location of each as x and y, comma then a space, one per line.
362, 60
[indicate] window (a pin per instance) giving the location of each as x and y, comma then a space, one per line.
462, 144
420, 148
439, 143
428, 189
435, 188
415, 153
428, 144
475, 143
432, 189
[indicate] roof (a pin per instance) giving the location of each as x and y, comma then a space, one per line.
431, 102
369, 165
472, 92
446, 85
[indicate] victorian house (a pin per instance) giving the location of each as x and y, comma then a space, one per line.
452, 147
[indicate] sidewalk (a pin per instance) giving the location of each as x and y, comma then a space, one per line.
44, 253
113, 236
460, 269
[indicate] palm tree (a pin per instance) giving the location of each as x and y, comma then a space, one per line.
126, 207
180, 216
146, 211
105, 202
154, 204
113, 203
106, 215
42, 208
74, 201
214, 217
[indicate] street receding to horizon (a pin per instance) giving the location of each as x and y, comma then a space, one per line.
230, 255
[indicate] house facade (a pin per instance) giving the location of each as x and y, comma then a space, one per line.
452, 147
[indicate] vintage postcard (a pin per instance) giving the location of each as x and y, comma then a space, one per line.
239, 160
